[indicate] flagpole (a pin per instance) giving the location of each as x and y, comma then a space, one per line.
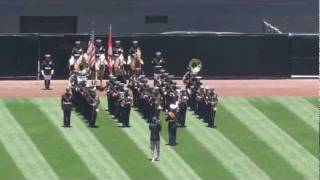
91, 50
110, 51
92, 66
92, 32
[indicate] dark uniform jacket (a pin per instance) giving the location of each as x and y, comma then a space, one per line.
76, 50
117, 50
66, 102
157, 62
155, 129
183, 106
186, 78
47, 67
172, 121
133, 50
100, 50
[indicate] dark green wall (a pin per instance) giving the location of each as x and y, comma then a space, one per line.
222, 55
304, 51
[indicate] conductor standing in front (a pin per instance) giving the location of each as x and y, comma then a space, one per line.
155, 128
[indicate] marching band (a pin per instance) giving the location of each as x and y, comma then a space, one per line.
128, 87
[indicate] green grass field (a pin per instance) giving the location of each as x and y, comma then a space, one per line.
257, 139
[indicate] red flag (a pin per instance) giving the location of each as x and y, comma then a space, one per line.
110, 42
110, 50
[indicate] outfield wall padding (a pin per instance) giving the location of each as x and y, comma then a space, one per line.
222, 55
304, 54
19, 55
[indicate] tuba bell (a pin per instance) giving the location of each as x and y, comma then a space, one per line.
195, 65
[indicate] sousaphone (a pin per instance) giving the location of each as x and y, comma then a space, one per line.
195, 65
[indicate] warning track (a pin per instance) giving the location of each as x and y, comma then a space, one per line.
278, 87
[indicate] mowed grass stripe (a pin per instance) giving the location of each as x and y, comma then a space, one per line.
302, 108
8, 168
275, 137
171, 164
49, 140
98, 160
21, 149
196, 155
123, 150
289, 122
229, 155
313, 100
257, 150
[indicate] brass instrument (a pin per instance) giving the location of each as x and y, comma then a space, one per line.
195, 65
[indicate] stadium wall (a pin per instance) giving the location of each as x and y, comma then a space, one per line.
304, 54
128, 16
222, 55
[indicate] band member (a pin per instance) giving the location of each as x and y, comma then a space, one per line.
100, 52
47, 70
66, 106
126, 108
192, 92
133, 52
157, 102
212, 104
110, 88
119, 98
100, 49
120, 70
119, 62
77, 49
158, 62
82, 76
94, 103
187, 77
172, 125
155, 128
117, 50
133, 85
182, 106
200, 100
76, 53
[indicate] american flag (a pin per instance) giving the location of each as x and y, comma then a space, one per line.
91, 50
